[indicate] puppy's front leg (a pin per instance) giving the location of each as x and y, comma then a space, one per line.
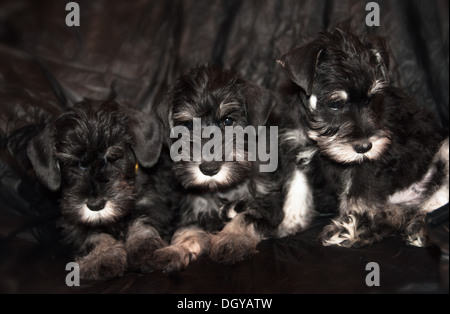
107, 258
237, 240
141, 243
188, 244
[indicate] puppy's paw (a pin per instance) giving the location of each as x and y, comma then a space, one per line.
231, 209
169, 259
141, 254
347, 232
416, 234
334, 235
230, 248
103, 265
418, 240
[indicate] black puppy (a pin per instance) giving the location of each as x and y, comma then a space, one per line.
381, 154
227, 208
103, 157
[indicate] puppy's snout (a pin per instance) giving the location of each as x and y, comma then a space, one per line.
363, 147
96, 205
210, 168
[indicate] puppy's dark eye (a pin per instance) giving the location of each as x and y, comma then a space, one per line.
189, 125
336, 106
228, 121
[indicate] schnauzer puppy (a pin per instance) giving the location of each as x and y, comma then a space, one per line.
103, 157
227, 209
380, 153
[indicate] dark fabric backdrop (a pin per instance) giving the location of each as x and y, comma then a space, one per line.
135, 50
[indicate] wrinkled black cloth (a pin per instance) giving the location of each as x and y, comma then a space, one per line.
134, 51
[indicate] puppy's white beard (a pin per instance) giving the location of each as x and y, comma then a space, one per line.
220, 178
345, 153
107, 214
379, 145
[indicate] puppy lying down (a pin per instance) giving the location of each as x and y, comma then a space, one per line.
103, 159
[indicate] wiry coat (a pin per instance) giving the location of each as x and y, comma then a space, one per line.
381, 154
104, 159
228, 207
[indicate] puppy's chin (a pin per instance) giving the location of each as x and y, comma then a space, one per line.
109, 214
81, 214
231, 175
342, 151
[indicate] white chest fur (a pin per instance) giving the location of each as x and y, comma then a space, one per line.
298, 205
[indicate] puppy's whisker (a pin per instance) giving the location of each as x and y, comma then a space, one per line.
377, 87
339, 96
184, 114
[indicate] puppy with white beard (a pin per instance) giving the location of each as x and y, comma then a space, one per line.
104, 159
381, 154
228, 206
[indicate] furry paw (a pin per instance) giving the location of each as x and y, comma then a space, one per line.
141, 254
347, 232
231, 209
230, 248
103, 265
415, 232
418, 240
173, 258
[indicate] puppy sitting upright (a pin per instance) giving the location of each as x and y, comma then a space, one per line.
382, 155
114, 209
219, 192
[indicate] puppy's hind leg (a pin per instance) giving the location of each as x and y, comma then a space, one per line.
440, 195
415, 232
188, 244
431, 193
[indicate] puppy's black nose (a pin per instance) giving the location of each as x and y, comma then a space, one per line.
363, 147
210, 168
96, 205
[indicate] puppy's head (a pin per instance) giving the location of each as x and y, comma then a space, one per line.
344, 78
91, 153
220, 98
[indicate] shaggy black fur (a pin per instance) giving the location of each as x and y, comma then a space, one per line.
103, 157
381, 154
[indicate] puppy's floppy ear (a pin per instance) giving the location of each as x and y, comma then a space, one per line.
378, 45
40, 151
301, 63
146, 131
260, 103
164, 114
